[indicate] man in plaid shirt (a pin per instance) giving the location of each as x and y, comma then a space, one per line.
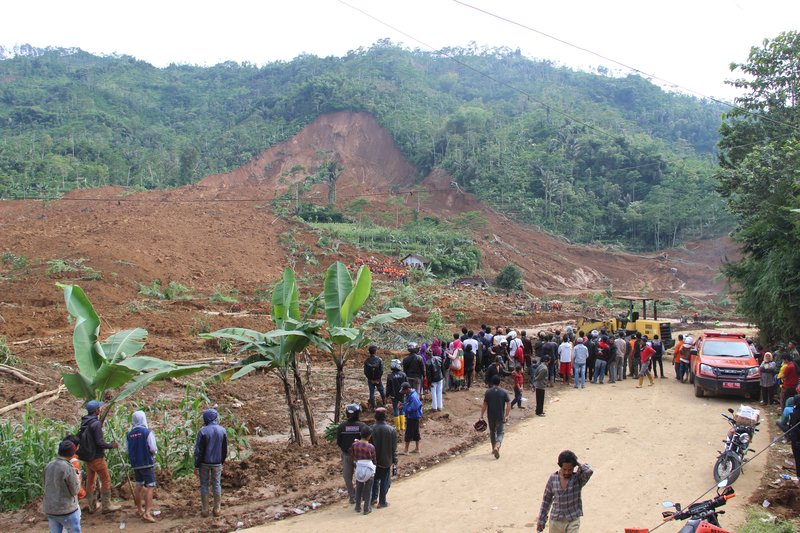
363, 454
563, 492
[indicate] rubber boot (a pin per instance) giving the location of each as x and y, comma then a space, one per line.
204, 505
91, 503
217, 498
403, 422
641, 380
651, 380
105, 500
397, 423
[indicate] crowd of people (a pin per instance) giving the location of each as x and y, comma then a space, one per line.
63, 487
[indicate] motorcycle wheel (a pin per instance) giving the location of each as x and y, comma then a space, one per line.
728, 466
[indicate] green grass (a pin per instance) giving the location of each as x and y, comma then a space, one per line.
759, 521
173, 291
69, 266
27, 446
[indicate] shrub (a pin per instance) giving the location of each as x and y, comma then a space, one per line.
509, 278
173, 291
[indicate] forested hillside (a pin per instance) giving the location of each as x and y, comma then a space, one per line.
591, 157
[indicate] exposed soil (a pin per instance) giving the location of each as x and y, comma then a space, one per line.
221, 235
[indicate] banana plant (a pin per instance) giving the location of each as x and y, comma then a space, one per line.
276, 351
343, 299
113, 364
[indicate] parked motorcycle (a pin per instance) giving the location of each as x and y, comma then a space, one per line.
737, 444
702, 516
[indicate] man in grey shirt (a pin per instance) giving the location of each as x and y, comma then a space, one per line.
622, 347
61, 488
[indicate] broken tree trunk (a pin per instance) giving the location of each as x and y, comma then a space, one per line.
59, 390
18, 375
301, 390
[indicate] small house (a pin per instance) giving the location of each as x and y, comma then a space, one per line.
415, 261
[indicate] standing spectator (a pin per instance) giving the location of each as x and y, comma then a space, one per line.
788, 377
455, 352
433, 370
394, 381
768, 370
591, 347
384, 438
580, 354
685, 358
210, 452
563, 493
658, 357
676, 357
527, 348
496, 404
613, 363
495, 369
373, 370
92, 453
412, 409
347, 433
514, 342
550, 348
362, 453
601, 361
794, 436
469, 364
141, 444
414, 367
61, 486
76, 463
621, 349
565, 359
646, 355
518, 384
636, 354
791, 349
540, 383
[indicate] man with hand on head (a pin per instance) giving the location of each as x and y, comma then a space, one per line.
563, 493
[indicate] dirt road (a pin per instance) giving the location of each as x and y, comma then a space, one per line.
645, 446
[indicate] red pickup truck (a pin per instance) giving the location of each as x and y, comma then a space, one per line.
724, 363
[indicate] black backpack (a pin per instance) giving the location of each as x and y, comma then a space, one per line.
88, 448
375, 367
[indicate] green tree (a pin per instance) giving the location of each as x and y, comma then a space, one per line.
759, 179
510, 277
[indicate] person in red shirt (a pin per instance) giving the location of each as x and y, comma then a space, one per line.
646, 354
789, 379
517, 374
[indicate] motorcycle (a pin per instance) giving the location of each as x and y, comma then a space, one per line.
702, 516
737, 444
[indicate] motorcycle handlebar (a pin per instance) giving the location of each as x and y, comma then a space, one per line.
703, 507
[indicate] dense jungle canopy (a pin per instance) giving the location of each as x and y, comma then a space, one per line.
589, 156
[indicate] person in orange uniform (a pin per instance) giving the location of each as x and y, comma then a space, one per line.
676, 358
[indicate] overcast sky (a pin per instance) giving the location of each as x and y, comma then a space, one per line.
687, 42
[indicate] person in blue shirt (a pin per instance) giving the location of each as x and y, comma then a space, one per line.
210, 452
141, 444
412, 409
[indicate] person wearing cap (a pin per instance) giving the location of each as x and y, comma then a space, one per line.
93, 453
394, 381
210, 452
384, 438
412, 409
61, 486
347, 433
141, 445
495, 369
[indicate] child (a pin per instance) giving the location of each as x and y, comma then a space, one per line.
76, 464
517, 374
363, 454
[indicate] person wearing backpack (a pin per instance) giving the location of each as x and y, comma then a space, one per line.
92, 452
433, 369
394, 383
373, 370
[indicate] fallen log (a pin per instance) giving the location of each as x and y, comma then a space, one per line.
7, 408
17, 375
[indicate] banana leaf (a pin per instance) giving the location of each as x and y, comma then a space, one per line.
124, 344
88, 352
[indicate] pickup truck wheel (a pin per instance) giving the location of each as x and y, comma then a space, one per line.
698, 390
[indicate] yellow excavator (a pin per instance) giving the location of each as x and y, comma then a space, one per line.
631, 322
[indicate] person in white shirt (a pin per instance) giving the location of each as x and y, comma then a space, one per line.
565, 357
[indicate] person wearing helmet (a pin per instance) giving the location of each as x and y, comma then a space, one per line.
394, 390
414, 367
346, 434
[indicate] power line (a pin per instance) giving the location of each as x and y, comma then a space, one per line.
624, 65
